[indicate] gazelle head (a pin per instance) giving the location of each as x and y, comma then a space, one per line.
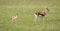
46, 10
17, 14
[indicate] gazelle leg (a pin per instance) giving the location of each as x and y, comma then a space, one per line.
35, 19
35, 16
13, 20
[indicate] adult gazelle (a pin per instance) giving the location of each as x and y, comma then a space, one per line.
42, 14
36, 14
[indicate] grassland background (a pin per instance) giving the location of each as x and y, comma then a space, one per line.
25, 10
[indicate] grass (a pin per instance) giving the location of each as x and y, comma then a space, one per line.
25, 10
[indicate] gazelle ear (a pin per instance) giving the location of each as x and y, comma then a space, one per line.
17, 14
47, 9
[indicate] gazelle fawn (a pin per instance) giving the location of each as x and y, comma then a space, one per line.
14, 17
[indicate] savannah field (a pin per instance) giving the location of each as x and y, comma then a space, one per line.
25, 10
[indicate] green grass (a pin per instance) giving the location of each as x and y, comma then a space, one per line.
25, 10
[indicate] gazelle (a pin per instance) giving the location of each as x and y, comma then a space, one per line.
42, 14
14, 17
36, 14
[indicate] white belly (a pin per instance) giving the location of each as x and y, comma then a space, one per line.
40, 15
